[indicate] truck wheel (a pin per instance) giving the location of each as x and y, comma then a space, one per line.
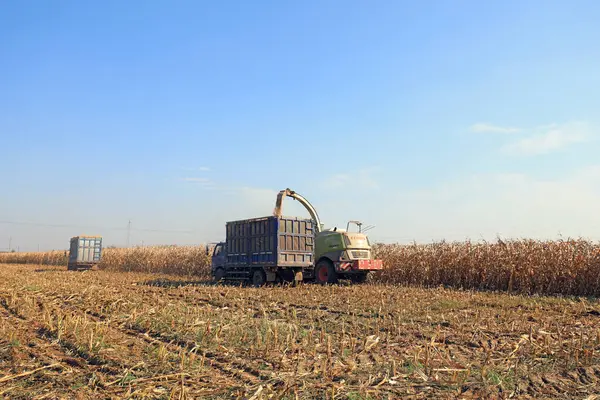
219, 274
286, 275
359, 278
325, 272
259, 278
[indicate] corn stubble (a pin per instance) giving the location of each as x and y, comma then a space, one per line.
570, 267
101, 334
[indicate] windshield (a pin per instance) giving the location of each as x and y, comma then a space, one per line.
356, 241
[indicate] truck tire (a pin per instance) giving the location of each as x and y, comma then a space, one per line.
258, 278
286, 275
325, 273
219, 274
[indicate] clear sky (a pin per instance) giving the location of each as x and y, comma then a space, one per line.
428, 119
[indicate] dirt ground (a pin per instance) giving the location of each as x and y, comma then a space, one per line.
105, 335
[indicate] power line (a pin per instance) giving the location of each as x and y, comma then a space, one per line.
94, 227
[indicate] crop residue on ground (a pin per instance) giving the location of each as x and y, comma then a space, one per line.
100, 334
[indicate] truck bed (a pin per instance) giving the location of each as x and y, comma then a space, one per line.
270, 241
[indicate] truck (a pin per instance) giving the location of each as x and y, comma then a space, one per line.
85, 252
292, 249
267, 249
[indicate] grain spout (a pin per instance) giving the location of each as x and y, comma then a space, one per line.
279, 203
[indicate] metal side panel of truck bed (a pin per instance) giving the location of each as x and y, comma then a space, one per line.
271, 241
85, 250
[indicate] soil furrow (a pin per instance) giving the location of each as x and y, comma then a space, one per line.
34, 350
220, 362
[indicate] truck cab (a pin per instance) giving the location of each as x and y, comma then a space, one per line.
218, 259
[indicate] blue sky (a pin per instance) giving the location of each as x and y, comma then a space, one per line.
431, 120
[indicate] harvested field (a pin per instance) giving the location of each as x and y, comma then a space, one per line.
104, 334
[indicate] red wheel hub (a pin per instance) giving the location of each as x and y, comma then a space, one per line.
323, 274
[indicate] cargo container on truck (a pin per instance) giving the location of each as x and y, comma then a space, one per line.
84, 252
268, 249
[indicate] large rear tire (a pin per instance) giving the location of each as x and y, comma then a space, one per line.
259, 278
325, 273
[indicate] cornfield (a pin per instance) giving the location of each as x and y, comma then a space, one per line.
37, 258
570, 267
176, 260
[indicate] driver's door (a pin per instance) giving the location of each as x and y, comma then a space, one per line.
219, 256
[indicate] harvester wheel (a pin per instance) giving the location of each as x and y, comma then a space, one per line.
258, 278
219, 274
325, 272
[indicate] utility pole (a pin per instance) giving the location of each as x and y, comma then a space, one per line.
9, 244
128, 232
